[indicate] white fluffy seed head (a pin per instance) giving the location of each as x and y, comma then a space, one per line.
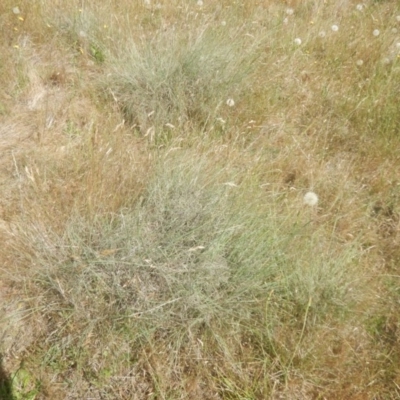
230, 102
359, 7
359, 62
297, 41
376, 32
310, 199
334, 28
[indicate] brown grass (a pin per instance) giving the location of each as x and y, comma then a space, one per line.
155, 243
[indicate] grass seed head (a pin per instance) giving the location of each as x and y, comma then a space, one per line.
310, 199
230, 102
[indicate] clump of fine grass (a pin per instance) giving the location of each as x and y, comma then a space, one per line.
195, 259
180, 79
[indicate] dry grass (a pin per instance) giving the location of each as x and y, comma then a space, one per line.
155, 241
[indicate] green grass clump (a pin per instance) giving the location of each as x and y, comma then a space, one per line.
196, 258
180, 80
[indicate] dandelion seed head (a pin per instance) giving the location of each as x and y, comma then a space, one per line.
297, 41
223, 23
376, 32
286, 20
398, 45
398, 18
359, 7
359, 62
200, 3
230, 102
289, 11
310, 199
334, 28
322, 34
16, 10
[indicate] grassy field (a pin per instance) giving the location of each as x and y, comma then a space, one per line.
199, 200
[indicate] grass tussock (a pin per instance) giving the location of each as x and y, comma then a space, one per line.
176, 81
199, 200
174, 267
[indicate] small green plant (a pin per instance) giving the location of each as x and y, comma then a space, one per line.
97, 53
25, 385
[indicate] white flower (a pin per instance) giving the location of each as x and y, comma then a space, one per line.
376, 32
200, 3
359, 62
335, 28
297, 41
322, 34
289, 11
359, 7
230, 102
310, 198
